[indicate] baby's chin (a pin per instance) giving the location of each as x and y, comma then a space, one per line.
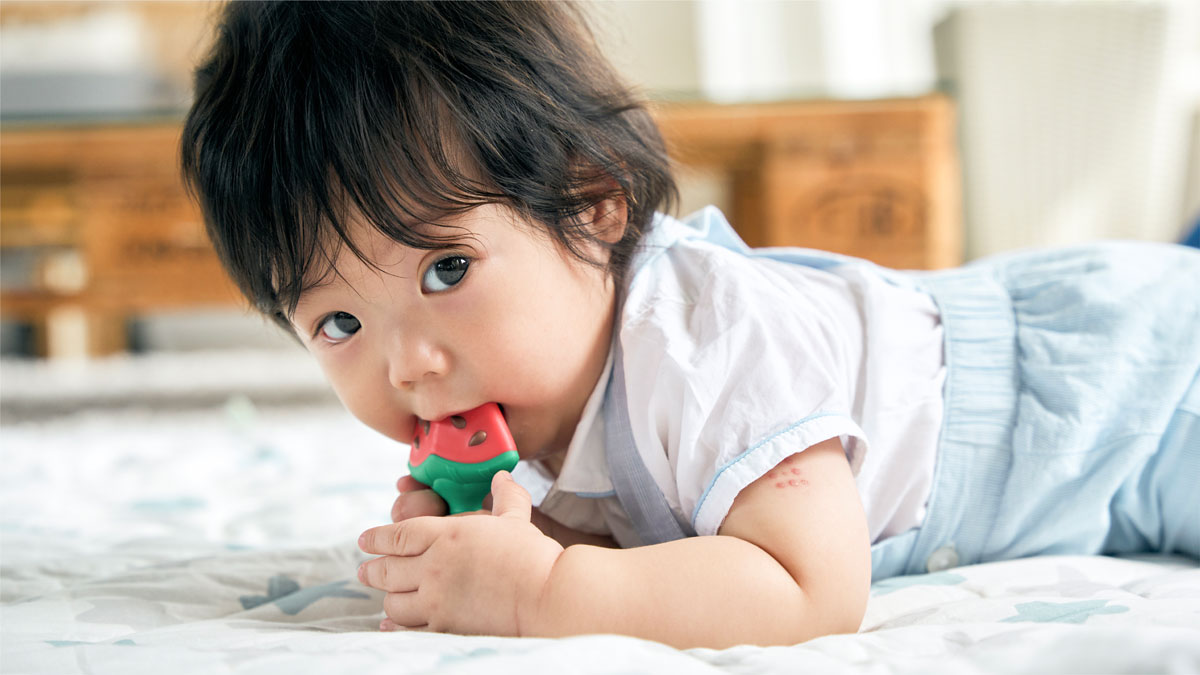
524, 432
539, 442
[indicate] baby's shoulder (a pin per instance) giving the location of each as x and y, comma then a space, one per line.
697, 277
697, 297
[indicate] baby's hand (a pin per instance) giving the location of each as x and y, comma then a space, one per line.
416, 499
477, 573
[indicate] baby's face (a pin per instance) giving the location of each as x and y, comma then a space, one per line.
502, 314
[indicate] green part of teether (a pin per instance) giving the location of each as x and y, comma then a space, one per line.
462, 485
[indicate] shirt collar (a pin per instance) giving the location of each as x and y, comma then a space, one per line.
585, 468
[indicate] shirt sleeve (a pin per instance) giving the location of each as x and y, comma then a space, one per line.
753, 364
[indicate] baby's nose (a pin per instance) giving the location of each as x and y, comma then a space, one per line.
411, 362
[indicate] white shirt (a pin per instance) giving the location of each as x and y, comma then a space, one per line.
733, 364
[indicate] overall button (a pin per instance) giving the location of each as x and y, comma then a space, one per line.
942, 559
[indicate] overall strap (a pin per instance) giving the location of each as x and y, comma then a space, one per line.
639, 495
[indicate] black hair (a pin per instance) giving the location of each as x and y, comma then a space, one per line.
306, 113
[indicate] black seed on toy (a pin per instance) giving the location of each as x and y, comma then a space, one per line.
477, 438
459, 422
425, 423
417, 442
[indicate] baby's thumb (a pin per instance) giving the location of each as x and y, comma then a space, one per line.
510, 500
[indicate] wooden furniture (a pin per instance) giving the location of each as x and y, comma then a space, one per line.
104, 213
102, 210
873, 179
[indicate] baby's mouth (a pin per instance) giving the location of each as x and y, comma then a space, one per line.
458, 420
459, 415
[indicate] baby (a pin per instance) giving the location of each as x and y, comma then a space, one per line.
451, 204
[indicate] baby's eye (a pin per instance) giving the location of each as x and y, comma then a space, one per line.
445, 273
339, 326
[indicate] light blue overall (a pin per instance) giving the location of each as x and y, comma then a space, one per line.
1072, 409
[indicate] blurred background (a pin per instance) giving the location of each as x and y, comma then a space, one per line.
917, 133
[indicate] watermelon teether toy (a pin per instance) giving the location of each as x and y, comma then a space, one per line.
458, 456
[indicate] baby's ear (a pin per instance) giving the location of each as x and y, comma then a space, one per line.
608, 217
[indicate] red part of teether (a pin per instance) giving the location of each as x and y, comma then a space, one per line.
473, 436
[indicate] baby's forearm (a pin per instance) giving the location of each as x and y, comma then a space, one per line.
700, 592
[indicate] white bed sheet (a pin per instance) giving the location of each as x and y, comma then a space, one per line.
146, 538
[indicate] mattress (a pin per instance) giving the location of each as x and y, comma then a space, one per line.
139, 534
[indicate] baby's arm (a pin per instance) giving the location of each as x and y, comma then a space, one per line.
791, 562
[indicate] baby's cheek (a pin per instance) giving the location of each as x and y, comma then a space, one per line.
373, 410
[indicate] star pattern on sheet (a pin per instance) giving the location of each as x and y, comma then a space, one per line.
291, 599
78, 643
1063, 612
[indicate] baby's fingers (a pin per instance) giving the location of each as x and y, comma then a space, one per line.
387, 626
407, 483
408, 538
404, 610
418, 502
389, 573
